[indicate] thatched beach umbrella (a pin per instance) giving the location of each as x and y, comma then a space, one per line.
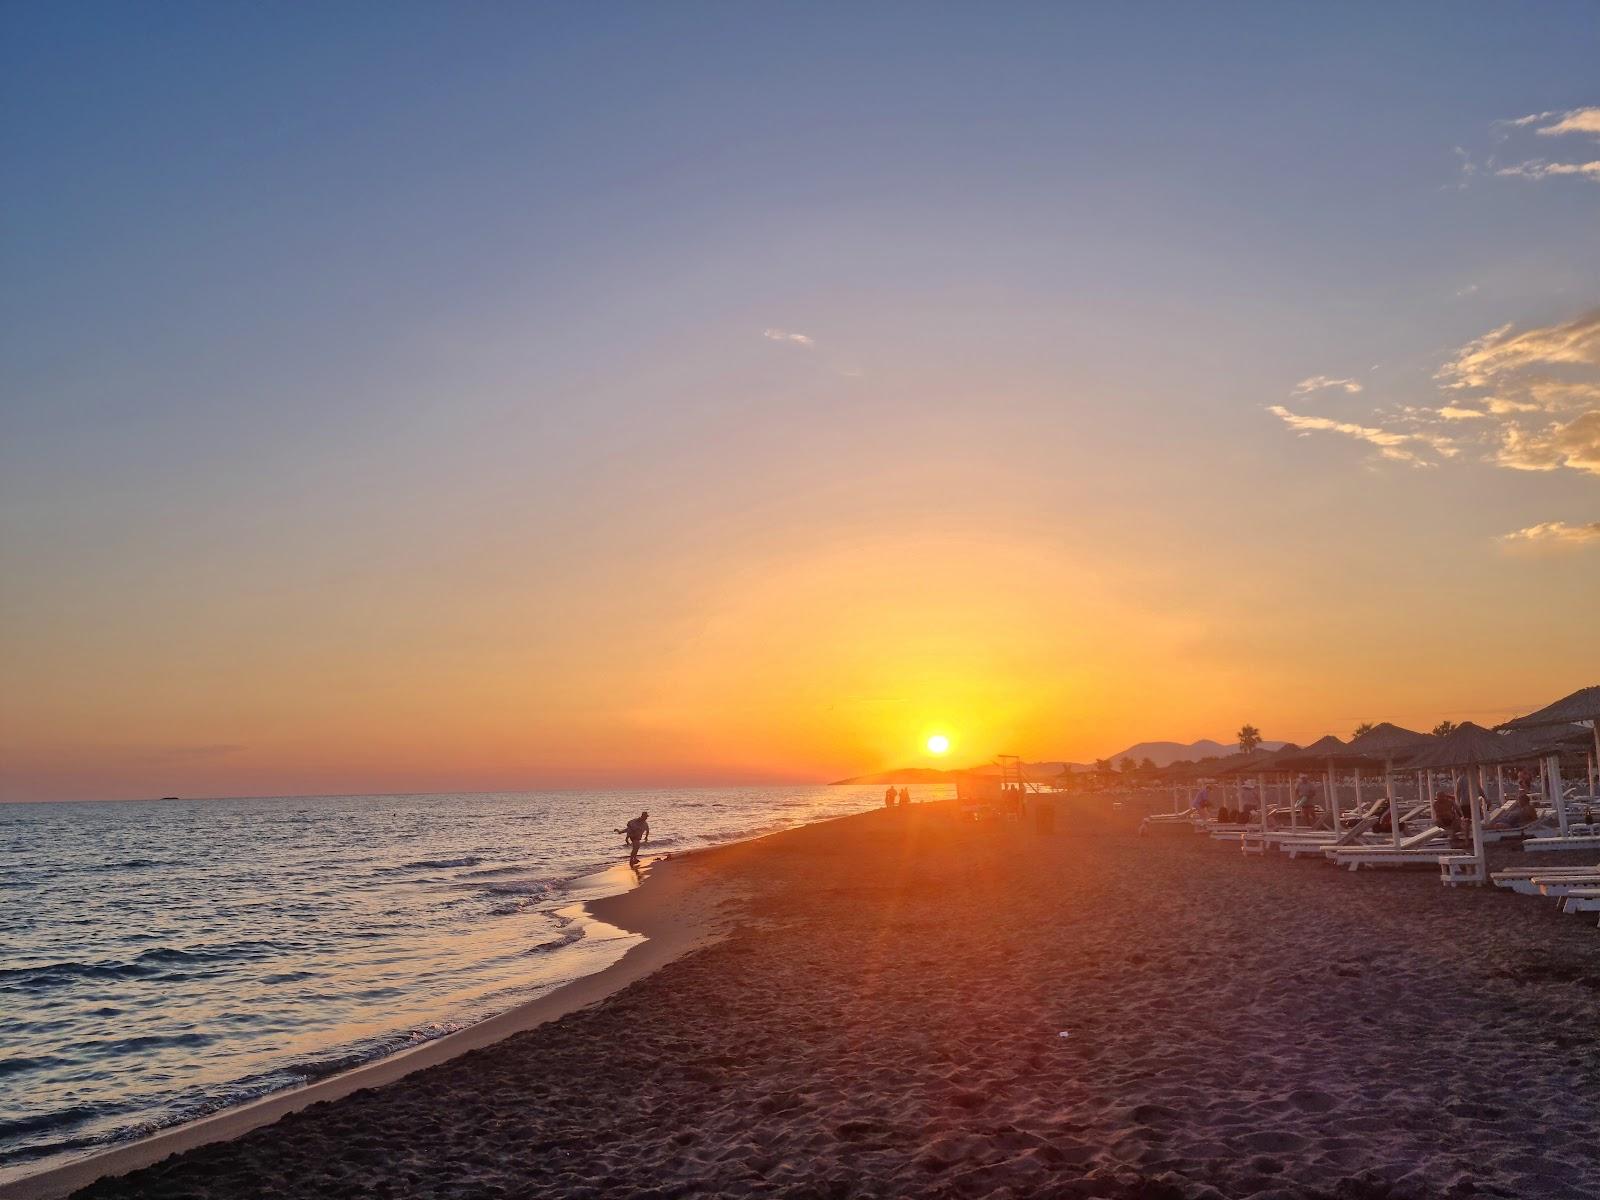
1582, 705
1469, 747
1386, 743
1260, 764
1330, 753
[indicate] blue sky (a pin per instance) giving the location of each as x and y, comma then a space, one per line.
329, 319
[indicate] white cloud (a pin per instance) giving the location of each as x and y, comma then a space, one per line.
1524, 400
1319, 383
1486, 359
1555, 533
1538, 169
1391, 445
1577, 120
1575, 444
783, 335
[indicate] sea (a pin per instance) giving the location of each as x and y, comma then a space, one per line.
163, 960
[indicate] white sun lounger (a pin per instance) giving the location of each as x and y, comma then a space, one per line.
1586, 901
1566, 885
1425, 847
1584, 841
1460, 868
1524, 879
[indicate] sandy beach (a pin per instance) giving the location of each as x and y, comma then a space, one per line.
875, 1006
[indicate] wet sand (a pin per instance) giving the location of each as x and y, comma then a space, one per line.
882, 1016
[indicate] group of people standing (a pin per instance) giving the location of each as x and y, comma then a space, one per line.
891, 797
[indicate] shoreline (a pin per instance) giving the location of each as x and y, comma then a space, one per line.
668, 927
903, 1003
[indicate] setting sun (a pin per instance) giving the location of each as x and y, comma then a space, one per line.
938, 744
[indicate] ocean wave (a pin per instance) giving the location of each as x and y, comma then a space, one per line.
149, 1041
16, 1066
439, 864
569, 932
130, 864
64, 974
518, 887
61, 1118
147, 965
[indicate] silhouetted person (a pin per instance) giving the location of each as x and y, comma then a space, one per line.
905, 797
1305, 798
1447, 814
637, 834
889, 795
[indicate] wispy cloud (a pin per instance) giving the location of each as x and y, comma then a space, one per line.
1391, 444
1556, 123
783, 335
1524, 400
1538, 169
1576, 120
1318, 383
1555, 534
1574, 444
1521, 122
1485, 360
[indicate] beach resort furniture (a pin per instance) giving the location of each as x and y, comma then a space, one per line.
1584, 841
1564, 718
1585, 900
1429, 846
1526, 880
1388, 743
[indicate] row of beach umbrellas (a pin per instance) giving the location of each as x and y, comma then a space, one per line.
1541, 735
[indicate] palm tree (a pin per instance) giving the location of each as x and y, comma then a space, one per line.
1249, 738
1444, 728
1364, 727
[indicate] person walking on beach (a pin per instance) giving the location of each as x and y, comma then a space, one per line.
905, 797
889, 796
637, 834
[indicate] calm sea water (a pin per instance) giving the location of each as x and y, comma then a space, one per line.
162, 960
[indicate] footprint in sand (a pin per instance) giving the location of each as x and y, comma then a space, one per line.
1307, 1100
1273, 1141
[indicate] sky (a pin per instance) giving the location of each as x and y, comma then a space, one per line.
416, 397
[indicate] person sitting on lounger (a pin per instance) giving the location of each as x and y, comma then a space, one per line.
1248, 804
1521, 812
1446, 813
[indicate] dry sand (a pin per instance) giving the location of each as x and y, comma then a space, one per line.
883, 1018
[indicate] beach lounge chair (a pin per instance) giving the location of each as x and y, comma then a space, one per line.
1573, 841
1461, 868
1167, 821
1525, 880
1585, 900
1429, 846
1565, 885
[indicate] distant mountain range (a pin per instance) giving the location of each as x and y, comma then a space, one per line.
1163, 754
